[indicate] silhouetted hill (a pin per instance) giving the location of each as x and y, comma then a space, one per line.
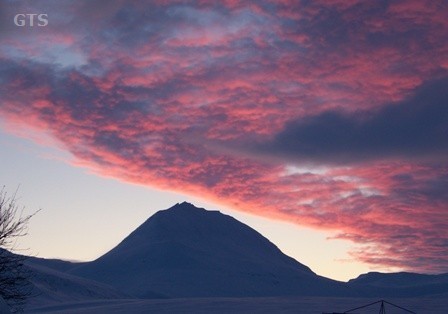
400, 284
186, 251
52, 263
51, 286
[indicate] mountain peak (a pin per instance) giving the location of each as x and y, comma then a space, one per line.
184, 209
184, 205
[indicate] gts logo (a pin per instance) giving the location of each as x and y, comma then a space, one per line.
31, 19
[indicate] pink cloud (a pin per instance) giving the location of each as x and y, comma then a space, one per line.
170, 95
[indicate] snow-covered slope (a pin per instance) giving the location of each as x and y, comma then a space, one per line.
400, 284
187, 251
267, 305
53, 287
54, 264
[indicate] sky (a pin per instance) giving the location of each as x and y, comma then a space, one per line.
322, 124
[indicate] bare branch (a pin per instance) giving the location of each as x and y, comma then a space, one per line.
14, 276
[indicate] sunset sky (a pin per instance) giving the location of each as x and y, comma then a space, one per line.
322, 124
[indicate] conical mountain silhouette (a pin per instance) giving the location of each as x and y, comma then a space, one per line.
186, 251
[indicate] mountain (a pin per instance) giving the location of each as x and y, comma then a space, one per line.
194, 257
402, 284
186, 251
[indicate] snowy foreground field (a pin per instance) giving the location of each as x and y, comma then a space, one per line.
303, 305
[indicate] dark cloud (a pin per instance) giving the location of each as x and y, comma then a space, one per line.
155, 93
416, 128
409, 188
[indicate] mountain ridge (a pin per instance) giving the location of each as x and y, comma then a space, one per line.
400, 284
